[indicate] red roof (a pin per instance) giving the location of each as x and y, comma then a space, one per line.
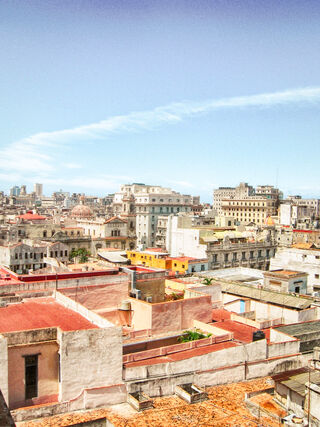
115, 218
31, 217
221, 314
241, 332
37, 313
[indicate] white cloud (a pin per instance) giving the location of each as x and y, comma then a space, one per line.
32, 153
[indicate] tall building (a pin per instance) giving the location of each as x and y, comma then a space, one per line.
38, 189
146, 204
241, 191
15, 191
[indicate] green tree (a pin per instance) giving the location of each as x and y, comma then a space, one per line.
82, 254
207, 281
192, 336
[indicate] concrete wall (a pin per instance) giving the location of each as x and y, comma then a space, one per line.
4, 368
48, 367
171, 315
78, 308
224, 366
270, 311
89, 359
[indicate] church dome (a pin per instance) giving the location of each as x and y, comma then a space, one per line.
269, 221
81, 211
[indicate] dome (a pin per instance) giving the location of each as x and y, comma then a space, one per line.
81, 211
269, 221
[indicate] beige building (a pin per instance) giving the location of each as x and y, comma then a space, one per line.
148, 203
247, 210
222, 193
22, 257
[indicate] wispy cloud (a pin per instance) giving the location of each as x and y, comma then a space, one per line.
38, 151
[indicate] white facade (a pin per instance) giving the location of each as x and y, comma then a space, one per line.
307, 260
184, 241
150, 202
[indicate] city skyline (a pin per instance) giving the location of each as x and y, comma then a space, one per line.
98, 94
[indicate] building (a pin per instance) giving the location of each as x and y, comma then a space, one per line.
297, 215
15, 191
157, 258
254, 209
311, 203
21, 257
38, 190
110, 233
52, 354
147, 204
299, 259
243, 190
286, 281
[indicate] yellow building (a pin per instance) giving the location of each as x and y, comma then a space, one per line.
156, 258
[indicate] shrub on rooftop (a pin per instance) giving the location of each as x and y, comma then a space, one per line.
193, 335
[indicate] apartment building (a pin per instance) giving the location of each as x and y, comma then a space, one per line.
221, 193
148, 203
252, 209
310, 203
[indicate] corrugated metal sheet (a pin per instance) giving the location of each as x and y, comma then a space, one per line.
277, 298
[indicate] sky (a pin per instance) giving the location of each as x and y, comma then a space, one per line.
190, 95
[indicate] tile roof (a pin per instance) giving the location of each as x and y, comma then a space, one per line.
37, 313
225, 407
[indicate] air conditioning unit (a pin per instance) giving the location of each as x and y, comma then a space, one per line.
149, 299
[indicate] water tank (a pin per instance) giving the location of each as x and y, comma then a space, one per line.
258, 335
125, 305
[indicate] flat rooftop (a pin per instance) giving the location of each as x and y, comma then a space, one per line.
297, 329
187, 354
242, 333
286, 274
37, 313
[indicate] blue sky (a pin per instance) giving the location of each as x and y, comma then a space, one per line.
188, 94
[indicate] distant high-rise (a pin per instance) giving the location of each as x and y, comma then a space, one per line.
38, 189
15, 191
23, 190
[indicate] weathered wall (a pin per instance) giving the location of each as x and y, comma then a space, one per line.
161, 379
78, 308
96, 297
48, 367
142, 314
177, 315
171, 315
283, 348
4, 368
89, 359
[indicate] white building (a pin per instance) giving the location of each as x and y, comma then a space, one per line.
149, 202
182, 240
307, 260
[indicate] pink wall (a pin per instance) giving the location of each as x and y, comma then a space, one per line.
171, 315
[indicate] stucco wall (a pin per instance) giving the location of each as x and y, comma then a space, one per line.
4, 368
171, 315
88, 359
48, 367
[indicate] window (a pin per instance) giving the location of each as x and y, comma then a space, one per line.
31, 376
226, 257
243, 255
316, 276
251, 254
65, 253
235, 256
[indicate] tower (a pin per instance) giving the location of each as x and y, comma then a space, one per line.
128, 212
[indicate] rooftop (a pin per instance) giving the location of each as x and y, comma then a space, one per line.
225, 406
285, 274
297, 329
37, 313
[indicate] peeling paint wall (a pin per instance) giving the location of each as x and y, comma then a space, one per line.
89, 359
